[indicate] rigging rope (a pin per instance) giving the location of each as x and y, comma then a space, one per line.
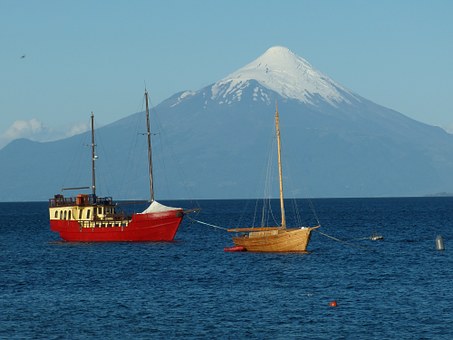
341, 241
312, 207
208, 224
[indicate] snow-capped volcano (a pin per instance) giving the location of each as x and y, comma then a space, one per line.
282, 71
338, 143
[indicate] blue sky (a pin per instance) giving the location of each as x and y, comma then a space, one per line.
83, 56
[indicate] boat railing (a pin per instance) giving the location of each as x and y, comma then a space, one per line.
104, 223
60, 201
101, 200
116, 216
81, 200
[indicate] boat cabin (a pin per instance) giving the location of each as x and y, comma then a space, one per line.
82, 208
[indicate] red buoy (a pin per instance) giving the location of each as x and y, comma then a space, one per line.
333, 303
234, 248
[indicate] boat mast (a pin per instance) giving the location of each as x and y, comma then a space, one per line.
280, 173
93, 159
150, 158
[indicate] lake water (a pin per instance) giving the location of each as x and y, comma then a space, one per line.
398, 288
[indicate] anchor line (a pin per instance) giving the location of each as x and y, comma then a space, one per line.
207, 224
345, 242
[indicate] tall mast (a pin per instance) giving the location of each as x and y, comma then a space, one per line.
150, 158
280, 172
93, 159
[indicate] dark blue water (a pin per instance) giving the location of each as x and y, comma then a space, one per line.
399, 288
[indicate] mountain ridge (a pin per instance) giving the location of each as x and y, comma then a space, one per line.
220, 138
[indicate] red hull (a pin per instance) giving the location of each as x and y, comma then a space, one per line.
161, 226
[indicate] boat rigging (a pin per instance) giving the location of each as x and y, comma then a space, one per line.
274, 238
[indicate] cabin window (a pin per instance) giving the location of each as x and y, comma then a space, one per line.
61, 214
65, 214
100, 210
56, 214
80, 214
69, 215
88, 213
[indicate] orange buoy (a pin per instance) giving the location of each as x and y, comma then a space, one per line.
333, 303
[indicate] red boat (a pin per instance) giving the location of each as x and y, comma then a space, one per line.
89, 218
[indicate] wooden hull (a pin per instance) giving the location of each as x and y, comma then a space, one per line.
148, 227
283, 240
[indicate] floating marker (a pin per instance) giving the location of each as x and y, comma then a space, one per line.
333, 303
234, 249
440, 243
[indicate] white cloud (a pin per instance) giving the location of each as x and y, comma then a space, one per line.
35, 130
76, 129
23, 128
449, 128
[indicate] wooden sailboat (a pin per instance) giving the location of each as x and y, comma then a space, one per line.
276, 238
89, 218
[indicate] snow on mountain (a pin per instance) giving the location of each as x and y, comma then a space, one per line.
282, 71
184, 95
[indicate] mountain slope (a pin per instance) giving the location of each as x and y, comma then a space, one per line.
217, 139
